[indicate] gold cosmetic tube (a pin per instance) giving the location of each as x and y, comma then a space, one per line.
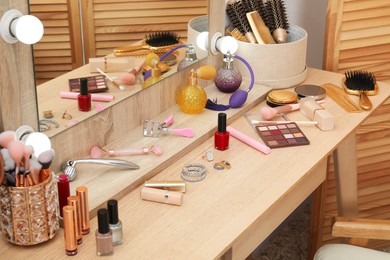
82, 193
260, 30
69, 230
162, 196
75, 202
179, 186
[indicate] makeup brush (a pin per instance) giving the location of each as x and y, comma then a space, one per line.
236, 13
6, 137
268, 113
16, 151
9, 163
110, 79
277, 20
130, 77
35, 168
45, 159
362, 84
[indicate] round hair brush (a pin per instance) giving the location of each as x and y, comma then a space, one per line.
159, 42
276, 20
362, 84
236, 13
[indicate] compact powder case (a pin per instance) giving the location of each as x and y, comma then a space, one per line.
281, 97
312, 91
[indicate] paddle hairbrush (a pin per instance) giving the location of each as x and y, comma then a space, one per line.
276, 20
362, 84
159, 42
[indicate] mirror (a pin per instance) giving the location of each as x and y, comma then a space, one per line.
105, 36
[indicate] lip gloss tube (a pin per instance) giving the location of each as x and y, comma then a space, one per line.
75, 202
82, 193
69, 231
94, 97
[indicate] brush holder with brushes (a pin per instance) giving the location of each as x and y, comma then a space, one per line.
29, 215
280, 65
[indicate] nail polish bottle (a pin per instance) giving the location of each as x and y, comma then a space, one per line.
221, 137
115, 224
103, 234
84, 98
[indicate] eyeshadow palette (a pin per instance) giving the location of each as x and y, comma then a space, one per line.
95, 84
282, 135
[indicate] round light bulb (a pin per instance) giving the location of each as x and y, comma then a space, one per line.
202, 41
28, 29
39, 141
227, 43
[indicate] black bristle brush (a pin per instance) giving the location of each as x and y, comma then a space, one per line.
362, 84
159, 42
236, 13
276, 20
255, 5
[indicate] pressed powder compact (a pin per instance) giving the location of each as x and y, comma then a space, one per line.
281, 97
313, 91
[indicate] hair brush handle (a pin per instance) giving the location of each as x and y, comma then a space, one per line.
364, 101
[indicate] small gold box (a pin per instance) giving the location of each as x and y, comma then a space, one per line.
179, 186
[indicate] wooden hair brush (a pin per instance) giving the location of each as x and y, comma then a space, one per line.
362, 84
236, 13
159, 42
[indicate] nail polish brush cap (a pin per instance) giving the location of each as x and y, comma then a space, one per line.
83, 86
112, 206
221, 122
103, 221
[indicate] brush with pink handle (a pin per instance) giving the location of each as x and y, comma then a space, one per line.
270, 112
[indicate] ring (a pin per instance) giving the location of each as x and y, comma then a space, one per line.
193, 172
51, 121
48, 114
43, 127
66, 115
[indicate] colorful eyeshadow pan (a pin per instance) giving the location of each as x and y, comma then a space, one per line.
282, 135
95, 84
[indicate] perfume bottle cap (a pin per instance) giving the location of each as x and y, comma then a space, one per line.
103, 226
112, 206
83, 86
221, 122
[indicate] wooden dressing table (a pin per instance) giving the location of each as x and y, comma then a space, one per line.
230, 212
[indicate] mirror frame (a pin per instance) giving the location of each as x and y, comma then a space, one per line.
106, 126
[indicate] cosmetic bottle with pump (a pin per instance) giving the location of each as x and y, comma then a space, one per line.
84, 98
228, 78
192, 98
221, 137
115, 224
152, 61
190, 57
103, 234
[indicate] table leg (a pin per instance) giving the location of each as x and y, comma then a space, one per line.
345, 169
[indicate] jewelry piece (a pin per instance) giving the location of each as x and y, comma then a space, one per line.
48, 114
222, 165
66, 115
193, 172
51, 121
43, 127
209, 156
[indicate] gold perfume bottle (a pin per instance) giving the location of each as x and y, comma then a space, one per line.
192, 98
152, 61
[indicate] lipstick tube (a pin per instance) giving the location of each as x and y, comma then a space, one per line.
69, 231
179, 186
162, 196
75, 202
63, 191
82, 193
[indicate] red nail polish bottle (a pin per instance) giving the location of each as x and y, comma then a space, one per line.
63, 191
84, 98
221, 137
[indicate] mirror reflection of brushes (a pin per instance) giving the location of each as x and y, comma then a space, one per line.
159, 42
362, 84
